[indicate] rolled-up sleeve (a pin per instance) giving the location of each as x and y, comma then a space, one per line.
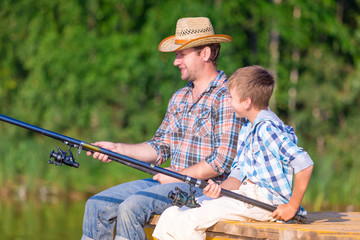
284, 149
161, 141
226, 128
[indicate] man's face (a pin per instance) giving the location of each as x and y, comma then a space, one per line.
188, 60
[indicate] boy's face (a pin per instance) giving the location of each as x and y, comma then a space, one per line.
238, 105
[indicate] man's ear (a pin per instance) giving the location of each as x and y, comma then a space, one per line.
206, 53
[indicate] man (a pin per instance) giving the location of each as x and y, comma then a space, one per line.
198, 133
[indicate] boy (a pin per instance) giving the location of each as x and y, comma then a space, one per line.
263, 169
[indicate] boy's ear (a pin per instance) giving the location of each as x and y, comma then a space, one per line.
247, 103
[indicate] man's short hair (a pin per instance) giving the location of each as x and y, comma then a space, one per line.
253, 82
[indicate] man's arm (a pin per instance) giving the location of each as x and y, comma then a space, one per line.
287, 211
140, 151
201, 170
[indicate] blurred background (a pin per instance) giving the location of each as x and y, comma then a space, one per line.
92, 70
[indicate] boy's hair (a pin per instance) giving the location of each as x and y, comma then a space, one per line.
253, 82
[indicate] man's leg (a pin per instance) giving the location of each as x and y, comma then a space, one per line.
101, 209
137, 209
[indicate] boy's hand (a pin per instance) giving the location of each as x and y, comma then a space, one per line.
212, 190
284, 212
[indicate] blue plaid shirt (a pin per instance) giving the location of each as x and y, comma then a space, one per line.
206, 129
268, 156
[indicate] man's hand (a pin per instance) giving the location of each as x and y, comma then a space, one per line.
140, 151
102, 157
212, 190
162, 178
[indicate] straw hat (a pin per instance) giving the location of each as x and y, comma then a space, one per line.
192, 32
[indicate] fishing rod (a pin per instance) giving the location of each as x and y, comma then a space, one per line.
180, 198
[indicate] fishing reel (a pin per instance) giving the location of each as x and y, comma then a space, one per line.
61, 157
181, 198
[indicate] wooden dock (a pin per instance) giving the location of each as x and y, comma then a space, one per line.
319, 225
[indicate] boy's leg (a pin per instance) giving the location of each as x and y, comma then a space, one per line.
101, 209
192, 224
166, 218
137, 209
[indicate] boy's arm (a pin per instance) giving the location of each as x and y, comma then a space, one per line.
287, 211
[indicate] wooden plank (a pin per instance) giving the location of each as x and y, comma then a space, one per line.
319, 225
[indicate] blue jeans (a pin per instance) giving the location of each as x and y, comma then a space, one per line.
127, 206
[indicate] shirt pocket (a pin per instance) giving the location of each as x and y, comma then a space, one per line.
202, 126
175, 118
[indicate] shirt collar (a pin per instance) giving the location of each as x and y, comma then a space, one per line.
217, 81
267, 114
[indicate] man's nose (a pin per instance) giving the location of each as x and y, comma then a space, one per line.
177, 61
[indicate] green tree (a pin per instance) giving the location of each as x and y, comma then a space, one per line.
91, 70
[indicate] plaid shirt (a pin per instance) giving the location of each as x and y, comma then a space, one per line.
203, 130
268, 156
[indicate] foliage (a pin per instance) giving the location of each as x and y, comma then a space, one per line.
91, 70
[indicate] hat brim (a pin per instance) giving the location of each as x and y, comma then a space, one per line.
169, 45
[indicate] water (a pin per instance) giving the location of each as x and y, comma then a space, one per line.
41, 221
